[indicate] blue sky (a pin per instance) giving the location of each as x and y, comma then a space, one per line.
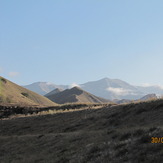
77, 41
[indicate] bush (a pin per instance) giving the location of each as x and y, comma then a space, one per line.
3, 80
25, 94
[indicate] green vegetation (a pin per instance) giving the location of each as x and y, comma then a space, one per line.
3, 80
25, 94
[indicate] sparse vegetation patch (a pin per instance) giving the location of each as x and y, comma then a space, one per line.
25, 94
3, 80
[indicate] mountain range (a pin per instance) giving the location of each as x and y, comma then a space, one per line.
43, 88
105, 88
73, 95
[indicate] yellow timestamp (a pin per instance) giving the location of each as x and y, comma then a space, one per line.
156, 139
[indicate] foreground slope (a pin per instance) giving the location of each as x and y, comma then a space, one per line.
11, 93
74, 95
112, 134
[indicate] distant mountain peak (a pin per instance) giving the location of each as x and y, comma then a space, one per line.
55, 91
75, 95
149, 97
106, 78
76, 88
43, 88
58, 89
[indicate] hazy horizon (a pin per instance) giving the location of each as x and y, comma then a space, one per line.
67, 42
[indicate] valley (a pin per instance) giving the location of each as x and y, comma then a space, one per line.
74, 126
81, 81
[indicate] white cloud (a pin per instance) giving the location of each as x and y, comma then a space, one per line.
13, 74
119, 91
151, 85
49, 83
146, 85
74, 85
160, 86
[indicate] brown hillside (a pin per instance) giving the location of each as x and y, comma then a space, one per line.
55, 91
11, 93
75, 95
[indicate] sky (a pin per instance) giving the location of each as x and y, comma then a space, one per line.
75, 41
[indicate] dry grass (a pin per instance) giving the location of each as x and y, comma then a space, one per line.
12, 111
11, 93
115, 134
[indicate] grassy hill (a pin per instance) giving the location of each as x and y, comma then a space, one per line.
75, 95
113, 134
13, 94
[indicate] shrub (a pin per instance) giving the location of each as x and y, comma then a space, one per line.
3, 80
25, 94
